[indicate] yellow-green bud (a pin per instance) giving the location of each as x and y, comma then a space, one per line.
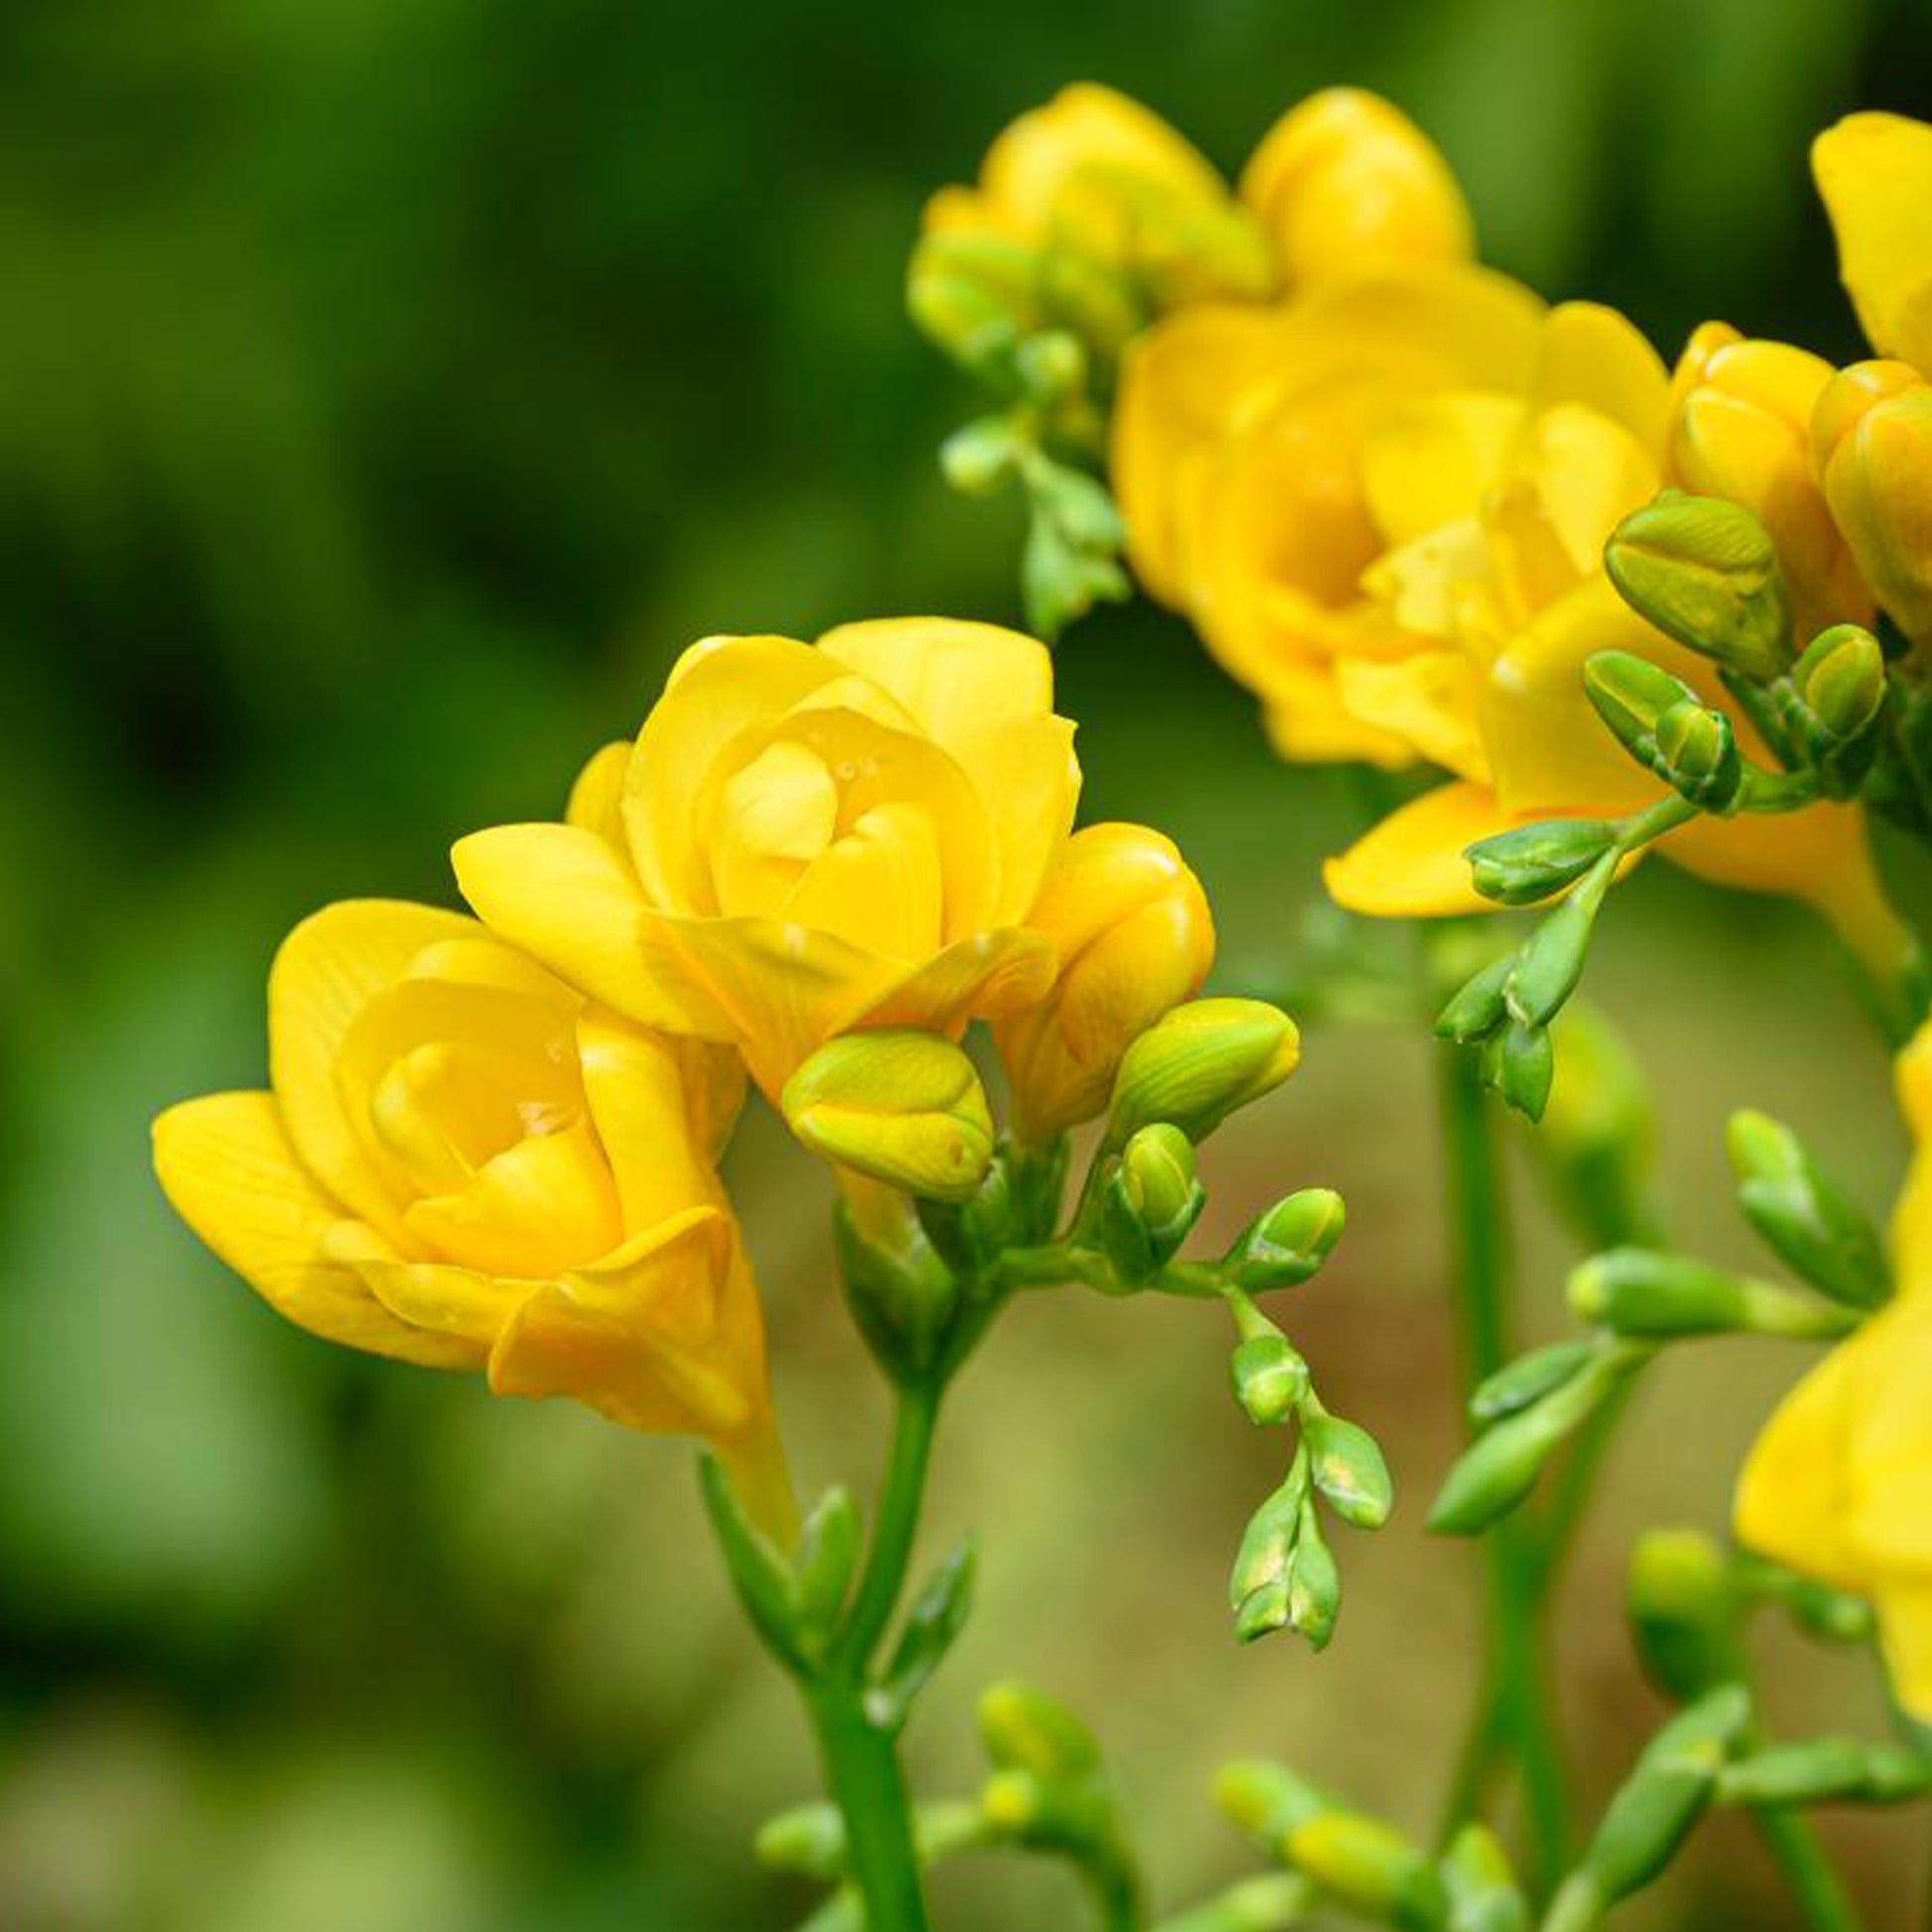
1528, 1379
1023, 1729
1265, 1799
808, 1839
1519, 1063
1261, 1564
1822, 1769
980, 456
1371, 1868
1552, 962
1698, 756
1684, 1605
1270, 1377
1529, 863
1478, 1007
1645, 1291
903, 1107
1839, 692
1803, 1217
1314, 1584
1630, 694
1348, 1470
1199, 1063
973, 294
1705, 570
1286, 1245
1156, 1184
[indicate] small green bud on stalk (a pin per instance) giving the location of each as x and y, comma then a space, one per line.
1285, 1245
1372, 1868
1838, 697
980, 456
973, 295
1314, 1583
1350, 1471
1822, 1770
1478, 1008
1199, 1063
1267, 1800
1271, 1380
1482, 1889
1023, 1729
1802, 1216
1052, 365
824, 1563
1552, 960
1151, 1201
1684, 1610
1645, 1292
1267, 1546
808, 1839
1529, 1378
1705, 570
1520, 1064
1520, 867
1698, 757
900, 1105
1631, 695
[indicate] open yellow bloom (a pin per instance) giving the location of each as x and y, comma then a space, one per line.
1874, 171
463, 1163
1839, 1485
804, 840
1097, 178
1134, 935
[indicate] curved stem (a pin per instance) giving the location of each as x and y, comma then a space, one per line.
1513, 1707
900, 1500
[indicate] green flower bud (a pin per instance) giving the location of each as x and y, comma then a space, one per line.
1370, 1867
1483, 1894
1200, 1062
1802, 1216
1051, 365
980, 456
1519, 1063
1478, 1008
1840, 681
1314, 1584
1348, 1470
1698, 756
1552, 962
1269, 1378
1285, 1245
1267, 1544
973, 296
1823, 1770
808, 1839
903, 1107
903, 1296
1151, 1199
824, 1562
1023, 1729
1684, 1607
1519, 866
1267, 1800
1647, 1293
1265, 1609
1705, 570
1528, 1379
1631, 695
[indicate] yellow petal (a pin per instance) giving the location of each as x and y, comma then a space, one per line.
1592, 355
230, 1171
1431, 462
1184, 383
1874, 171
955, 679
1911, 1227
1309, 723
1793, 1492
1411, 865
880, 886
565, 896
439, 1299
327, 970
1427, 701
980, 978
646, 1119
719, 689
1905, 1635
596, 798
1887, 1518
775, 815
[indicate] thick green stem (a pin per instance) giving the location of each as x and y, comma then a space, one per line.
1807, 1870
862, 1772
1514, 1707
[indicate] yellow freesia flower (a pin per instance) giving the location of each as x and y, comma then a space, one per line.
1874, 173
805, 840
1839, 1485
1096, 178
462, 1164
1132, 928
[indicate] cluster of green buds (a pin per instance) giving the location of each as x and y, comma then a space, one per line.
1348, 1860
1834, 715
1638, 1299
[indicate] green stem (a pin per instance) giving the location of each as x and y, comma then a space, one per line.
859, 1755
1514, 1706
1820, 1894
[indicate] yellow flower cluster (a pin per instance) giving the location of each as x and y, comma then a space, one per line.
1382, 497
1839, 1485
491, 1144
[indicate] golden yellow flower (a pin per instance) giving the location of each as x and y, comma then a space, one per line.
1134, 935
1096, 176
1837, 1485
463, 1163
1344, 181
805, 840
1740, 428
1872, 434
1874, 171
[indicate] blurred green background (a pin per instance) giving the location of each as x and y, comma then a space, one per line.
387, 392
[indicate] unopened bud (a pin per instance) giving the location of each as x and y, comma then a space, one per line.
1552, 961
1528, 1379
1483, 1894
1155, 1187
1201, 1063
1519, 1063
1267, 1800
1698, 756
1286, 1245
1270, 1377
1478, 1007
980, 456
1803, 1217
1258, 1583
1314, 1584
972, 293
1631, 695
1684, 1606
1643, 1292
1023, 1729
1839, 689
1705, 570
1520, 867
1350, 1470
903, 1107
808, 1839
1822, 1770
1370, 1867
